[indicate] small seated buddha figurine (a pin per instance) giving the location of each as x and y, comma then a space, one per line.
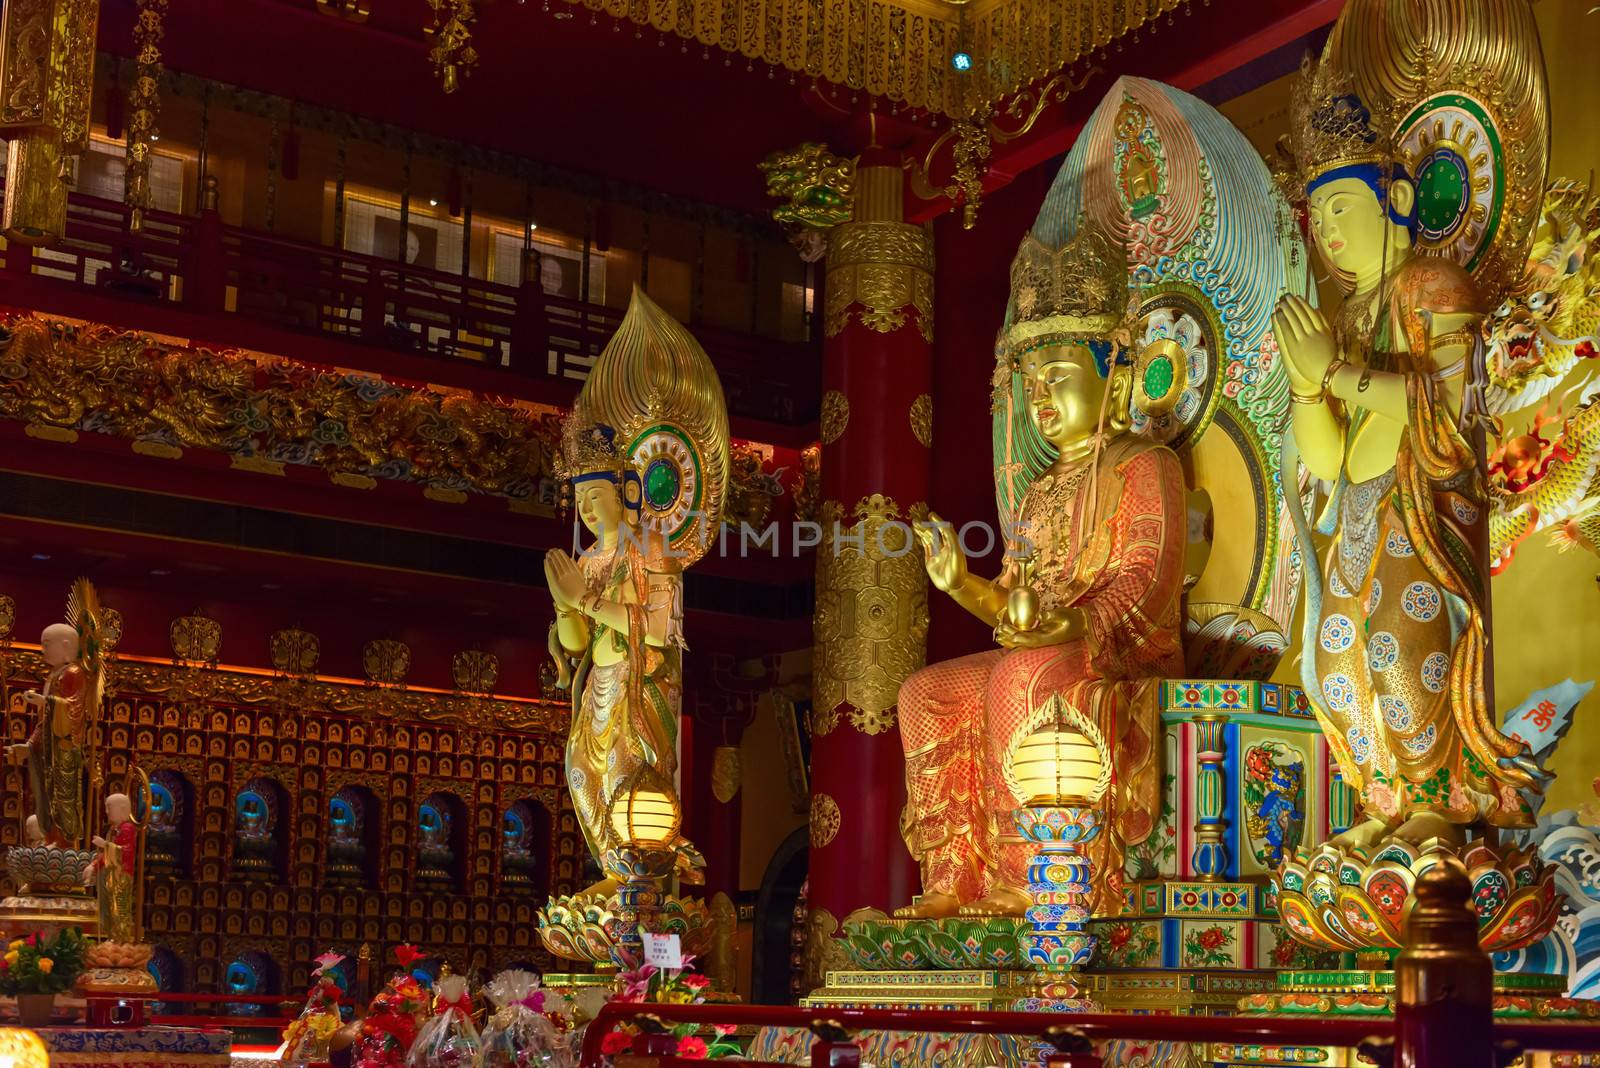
1088, 603
1394, 641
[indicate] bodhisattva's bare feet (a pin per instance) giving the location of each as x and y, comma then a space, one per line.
1004, 901
934, 906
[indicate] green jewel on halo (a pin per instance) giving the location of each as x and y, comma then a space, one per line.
661, 483
1158, 377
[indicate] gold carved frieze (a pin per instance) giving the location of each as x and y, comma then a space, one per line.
267, 411
386, 661
871, 623
139, 679
879, 271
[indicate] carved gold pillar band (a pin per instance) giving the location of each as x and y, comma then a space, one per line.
46, 79
877, 270
871, 623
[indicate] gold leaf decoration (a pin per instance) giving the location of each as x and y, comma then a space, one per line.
195, 639
295, 652
825, 820
725, 773
386, 661
870, 628
475, 671
835, 416
922, 420
876, 271
901, 50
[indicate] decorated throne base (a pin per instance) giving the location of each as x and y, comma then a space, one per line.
1355, 899
591, 930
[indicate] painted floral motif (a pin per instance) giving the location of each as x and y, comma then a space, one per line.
1382, 651
1396, 713
1464, 512
1419, 744
1339, 690
1274, 796
1130, 945
1397, 544
1209, 945
1360, 744
1434, 670
1374, 596
1421, 601
1338, 633
1336, 585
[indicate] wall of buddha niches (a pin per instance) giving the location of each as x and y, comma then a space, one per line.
291, 816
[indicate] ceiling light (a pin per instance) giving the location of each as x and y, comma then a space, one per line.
159, 571
41, 556
432, 203
961, 61
533, 226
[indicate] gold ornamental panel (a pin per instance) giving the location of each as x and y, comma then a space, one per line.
901, 50
825, 820
878, 270
922, 420
835, 416
726, 773
871, 623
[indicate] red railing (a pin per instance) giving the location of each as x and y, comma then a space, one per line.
204, 266
1074, 1035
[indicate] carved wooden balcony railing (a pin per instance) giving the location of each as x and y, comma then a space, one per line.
202, 265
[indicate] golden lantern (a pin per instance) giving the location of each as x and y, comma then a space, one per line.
1062, 761
20, 1048
644, 811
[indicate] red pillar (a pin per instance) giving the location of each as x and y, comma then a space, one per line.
871, 621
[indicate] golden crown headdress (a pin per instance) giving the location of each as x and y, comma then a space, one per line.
1331, 126
1078, 290
589, 448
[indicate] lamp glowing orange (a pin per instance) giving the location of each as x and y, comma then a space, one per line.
645, 811
21, 1048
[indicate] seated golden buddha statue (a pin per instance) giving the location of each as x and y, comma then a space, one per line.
1394, 643
1088, 603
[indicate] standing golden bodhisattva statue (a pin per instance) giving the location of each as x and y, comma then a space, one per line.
1385, 397
645, 452
1088, 605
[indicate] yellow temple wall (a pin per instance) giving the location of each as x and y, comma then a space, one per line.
1546, 606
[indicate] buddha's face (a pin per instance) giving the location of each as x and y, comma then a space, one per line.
599, 505
1351, 226
1065, 392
